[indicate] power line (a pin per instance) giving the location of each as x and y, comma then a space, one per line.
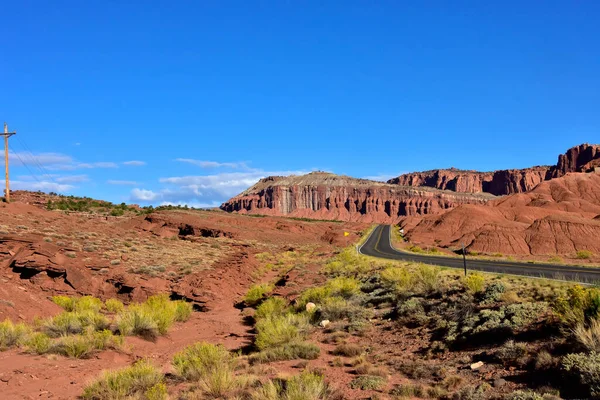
25, 165
36, 162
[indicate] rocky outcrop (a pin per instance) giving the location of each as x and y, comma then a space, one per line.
582, 158
328, 196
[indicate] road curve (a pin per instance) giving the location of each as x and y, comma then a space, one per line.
378, 244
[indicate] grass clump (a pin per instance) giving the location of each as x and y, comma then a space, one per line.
114, 306
200, 359
65, 302
368, 382
12, 334
306, 386
348, 350
399, 278
585, 369
428, 278
343, 287
289, 351
584, 254
153, 317
588, 336
272, 307
137, 381
137, 320
474, 283
278, 331
257, 293
39, 343
212, 366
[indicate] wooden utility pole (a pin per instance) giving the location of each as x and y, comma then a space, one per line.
6, 135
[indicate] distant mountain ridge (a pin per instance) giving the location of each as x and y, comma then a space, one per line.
582, 158
323, 195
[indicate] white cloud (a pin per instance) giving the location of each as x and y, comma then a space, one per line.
53, 161
117, 182
204, 189
212, 164
44, 159
72, 179
383, 177
43, 186
214, 204
144, 195
134, 163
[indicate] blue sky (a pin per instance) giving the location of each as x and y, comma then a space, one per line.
192, 101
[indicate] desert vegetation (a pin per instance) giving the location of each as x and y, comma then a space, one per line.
88, 325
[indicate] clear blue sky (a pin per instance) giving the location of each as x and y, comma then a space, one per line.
236, 90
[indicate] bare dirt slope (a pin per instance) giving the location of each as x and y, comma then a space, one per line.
208, 258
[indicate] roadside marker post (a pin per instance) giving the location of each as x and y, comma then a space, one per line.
464, 258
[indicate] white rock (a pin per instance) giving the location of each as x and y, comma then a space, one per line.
310, 306
477, 365
324, 323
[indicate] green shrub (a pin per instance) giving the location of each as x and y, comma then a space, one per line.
368, 382
92, 319
415, 249
316, 295
157, 392
306, 386
114, 306
524, 395
588, 336
409, 391
218, 382
428, 278
586, 369
183, 310
579, 306
78, 346
153, 317
347, 350
132, 381
200, 359
268, 391
88, 303
66, 323
257, 293
12, 334
272, 307
337, 308
344, 287
474, 283
65, 302
512, 353
493, 293
278, 331
399, 278
584, 254
38, 343
139, 321
288, 351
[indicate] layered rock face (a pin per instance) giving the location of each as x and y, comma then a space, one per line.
328, 196
560, 216
582, 158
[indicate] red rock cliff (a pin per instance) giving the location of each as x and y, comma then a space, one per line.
328, 196
582, 158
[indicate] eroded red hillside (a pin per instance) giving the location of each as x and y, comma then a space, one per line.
559, 216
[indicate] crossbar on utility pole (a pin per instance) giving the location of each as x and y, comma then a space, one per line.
6, 135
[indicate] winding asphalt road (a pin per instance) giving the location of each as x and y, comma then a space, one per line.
378, 244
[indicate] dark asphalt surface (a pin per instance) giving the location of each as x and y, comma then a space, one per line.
378, 245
